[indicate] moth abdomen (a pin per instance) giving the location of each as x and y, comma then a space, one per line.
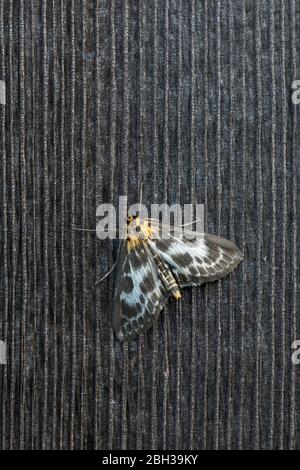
167, 277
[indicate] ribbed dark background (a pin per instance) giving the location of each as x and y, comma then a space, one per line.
193, 97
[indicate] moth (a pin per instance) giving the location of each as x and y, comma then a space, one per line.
155, 261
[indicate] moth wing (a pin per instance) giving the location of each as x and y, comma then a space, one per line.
192, 257
139, 294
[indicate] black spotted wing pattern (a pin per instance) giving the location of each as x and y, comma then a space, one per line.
195, 260
139, 294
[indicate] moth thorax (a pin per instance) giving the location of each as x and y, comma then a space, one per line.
167, 277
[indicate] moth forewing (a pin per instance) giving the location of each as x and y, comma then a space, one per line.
194, 262
139, 295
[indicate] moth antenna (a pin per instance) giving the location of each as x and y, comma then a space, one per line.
182, 225
78, 229
141, 196
190, 223
107, 274
83, 229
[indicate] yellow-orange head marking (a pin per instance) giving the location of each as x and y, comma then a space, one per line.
138, 231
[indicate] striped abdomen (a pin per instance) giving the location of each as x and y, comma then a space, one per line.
167, 277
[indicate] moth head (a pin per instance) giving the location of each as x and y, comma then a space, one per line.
134, 220
138, 229
131, 218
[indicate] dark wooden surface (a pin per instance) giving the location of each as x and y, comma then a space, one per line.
193, 97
